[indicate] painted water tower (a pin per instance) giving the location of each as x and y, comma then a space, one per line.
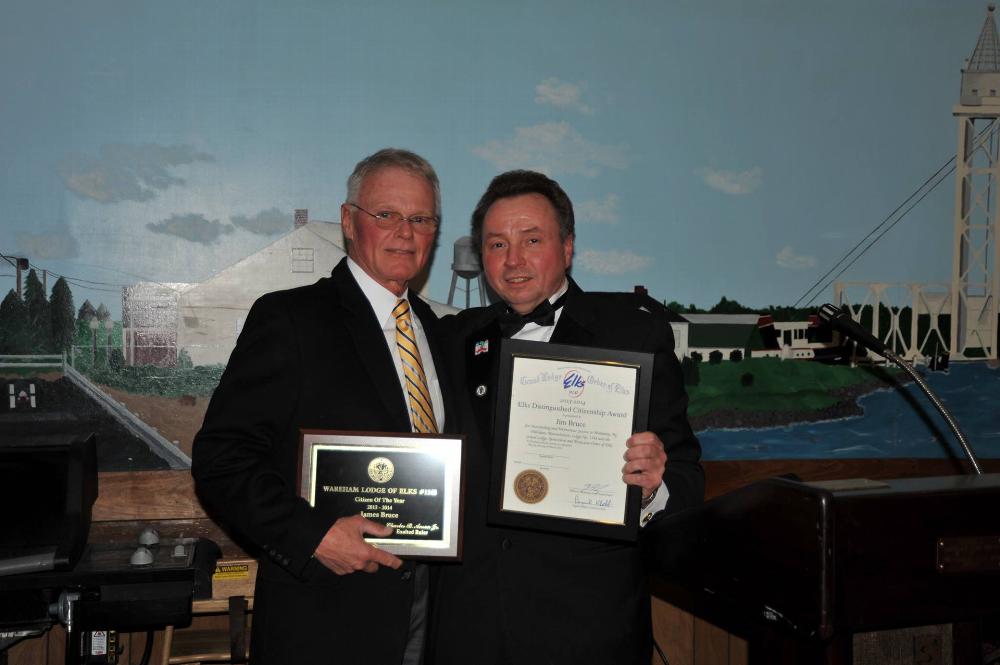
466, 266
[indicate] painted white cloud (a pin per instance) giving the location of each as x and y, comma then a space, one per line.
599, 212
732, 182
47, 246
192, 226
562, 95
126, 172
554, 148
787, 258
266, 222
117, 235
611, 262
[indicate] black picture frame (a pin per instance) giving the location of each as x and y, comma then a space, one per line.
426, 471
625, 524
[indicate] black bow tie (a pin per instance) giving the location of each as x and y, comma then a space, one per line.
544, 315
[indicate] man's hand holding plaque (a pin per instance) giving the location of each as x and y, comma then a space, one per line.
645, 462
344, 549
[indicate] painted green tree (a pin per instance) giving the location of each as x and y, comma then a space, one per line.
86, 313
36, 304
15, 333
62, 323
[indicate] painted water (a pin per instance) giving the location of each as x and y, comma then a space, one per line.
896, 423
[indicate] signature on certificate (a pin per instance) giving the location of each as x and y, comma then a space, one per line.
593, 500
593, 495
592, 488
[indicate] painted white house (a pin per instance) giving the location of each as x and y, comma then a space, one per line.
799, 340
209, 316
680, 330
724, 333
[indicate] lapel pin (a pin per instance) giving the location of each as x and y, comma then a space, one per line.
480, 390
482, 346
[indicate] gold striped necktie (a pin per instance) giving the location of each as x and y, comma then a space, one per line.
419, 397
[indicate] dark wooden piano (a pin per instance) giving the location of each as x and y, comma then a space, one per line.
799, 568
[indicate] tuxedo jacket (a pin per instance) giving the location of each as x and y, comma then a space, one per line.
526, 597
312, 357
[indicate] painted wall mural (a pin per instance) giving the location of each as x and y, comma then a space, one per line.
167, 163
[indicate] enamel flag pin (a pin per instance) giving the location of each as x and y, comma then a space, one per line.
482, 346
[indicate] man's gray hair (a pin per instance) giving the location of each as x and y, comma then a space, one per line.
388, 157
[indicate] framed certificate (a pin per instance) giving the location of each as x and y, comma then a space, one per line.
562, 418
411, 482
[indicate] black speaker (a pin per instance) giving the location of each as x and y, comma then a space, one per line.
47, 491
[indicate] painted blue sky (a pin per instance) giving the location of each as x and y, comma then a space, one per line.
711, 148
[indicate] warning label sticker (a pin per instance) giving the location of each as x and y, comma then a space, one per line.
231, 571
99, 643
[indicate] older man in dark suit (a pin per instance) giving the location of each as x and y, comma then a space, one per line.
326, 356
524, 597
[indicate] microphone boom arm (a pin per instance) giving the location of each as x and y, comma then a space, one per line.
846, 326
952, 423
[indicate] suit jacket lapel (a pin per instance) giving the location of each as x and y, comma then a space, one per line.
369, 343
575, 322
574, 327
481, 358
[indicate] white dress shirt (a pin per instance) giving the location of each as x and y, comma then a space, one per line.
536, 333
383, 301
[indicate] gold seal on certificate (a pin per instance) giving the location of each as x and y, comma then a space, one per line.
531, 486
563, 416
410, 482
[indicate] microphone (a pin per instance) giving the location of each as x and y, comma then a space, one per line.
841, 320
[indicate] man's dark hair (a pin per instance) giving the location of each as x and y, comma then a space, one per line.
517, 183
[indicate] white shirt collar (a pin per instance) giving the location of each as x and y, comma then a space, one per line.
537, 333
558, 294
381, 299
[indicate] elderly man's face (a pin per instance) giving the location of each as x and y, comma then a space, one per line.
524, 259
392, 257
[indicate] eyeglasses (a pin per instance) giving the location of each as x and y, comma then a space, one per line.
390, 219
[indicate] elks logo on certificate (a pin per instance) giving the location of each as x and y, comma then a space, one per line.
562, 418
573, 382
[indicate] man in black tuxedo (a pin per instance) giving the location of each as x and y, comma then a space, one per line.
325, 356
523, 597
